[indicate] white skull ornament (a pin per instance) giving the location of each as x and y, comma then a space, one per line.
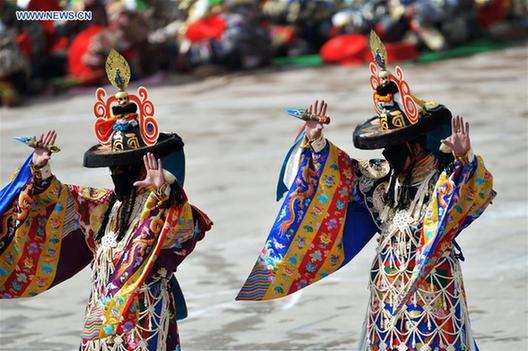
122, 98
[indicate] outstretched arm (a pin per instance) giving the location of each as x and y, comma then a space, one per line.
46, 228
45, 189
461, 195
189, 223
466, 189
318, 228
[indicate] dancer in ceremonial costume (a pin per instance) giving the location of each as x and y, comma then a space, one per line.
134, 236
427, 190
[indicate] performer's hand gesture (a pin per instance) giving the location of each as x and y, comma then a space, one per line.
315, 128
458, 142
42, 153
154, 176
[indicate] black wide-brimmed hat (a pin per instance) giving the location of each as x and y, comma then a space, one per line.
125, 125
401, 116
372, 135
101, 156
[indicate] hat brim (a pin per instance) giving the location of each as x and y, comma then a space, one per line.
369, 135
100, 156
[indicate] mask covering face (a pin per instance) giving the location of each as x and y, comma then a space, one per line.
124, 178
396, 155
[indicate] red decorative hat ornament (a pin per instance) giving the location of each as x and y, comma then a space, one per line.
105, 121
378, 72
400, 116
124, 123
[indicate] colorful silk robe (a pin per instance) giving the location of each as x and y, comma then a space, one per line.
335, 205
48, 236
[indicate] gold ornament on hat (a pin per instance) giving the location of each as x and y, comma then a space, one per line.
118, 73
379, 53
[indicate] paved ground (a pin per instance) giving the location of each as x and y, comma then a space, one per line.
236, 135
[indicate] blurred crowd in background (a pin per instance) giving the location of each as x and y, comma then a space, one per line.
46, 57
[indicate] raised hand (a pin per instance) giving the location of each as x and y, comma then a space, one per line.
458, 142
42, 153
313, 128
154, 176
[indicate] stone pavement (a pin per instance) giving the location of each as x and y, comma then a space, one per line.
236, 135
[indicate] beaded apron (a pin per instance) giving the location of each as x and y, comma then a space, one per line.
436, 318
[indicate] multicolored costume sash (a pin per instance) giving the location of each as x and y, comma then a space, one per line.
311, 237
116, 312
459, 198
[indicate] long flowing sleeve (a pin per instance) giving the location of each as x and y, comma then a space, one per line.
45, 234
460, 196
322, 224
